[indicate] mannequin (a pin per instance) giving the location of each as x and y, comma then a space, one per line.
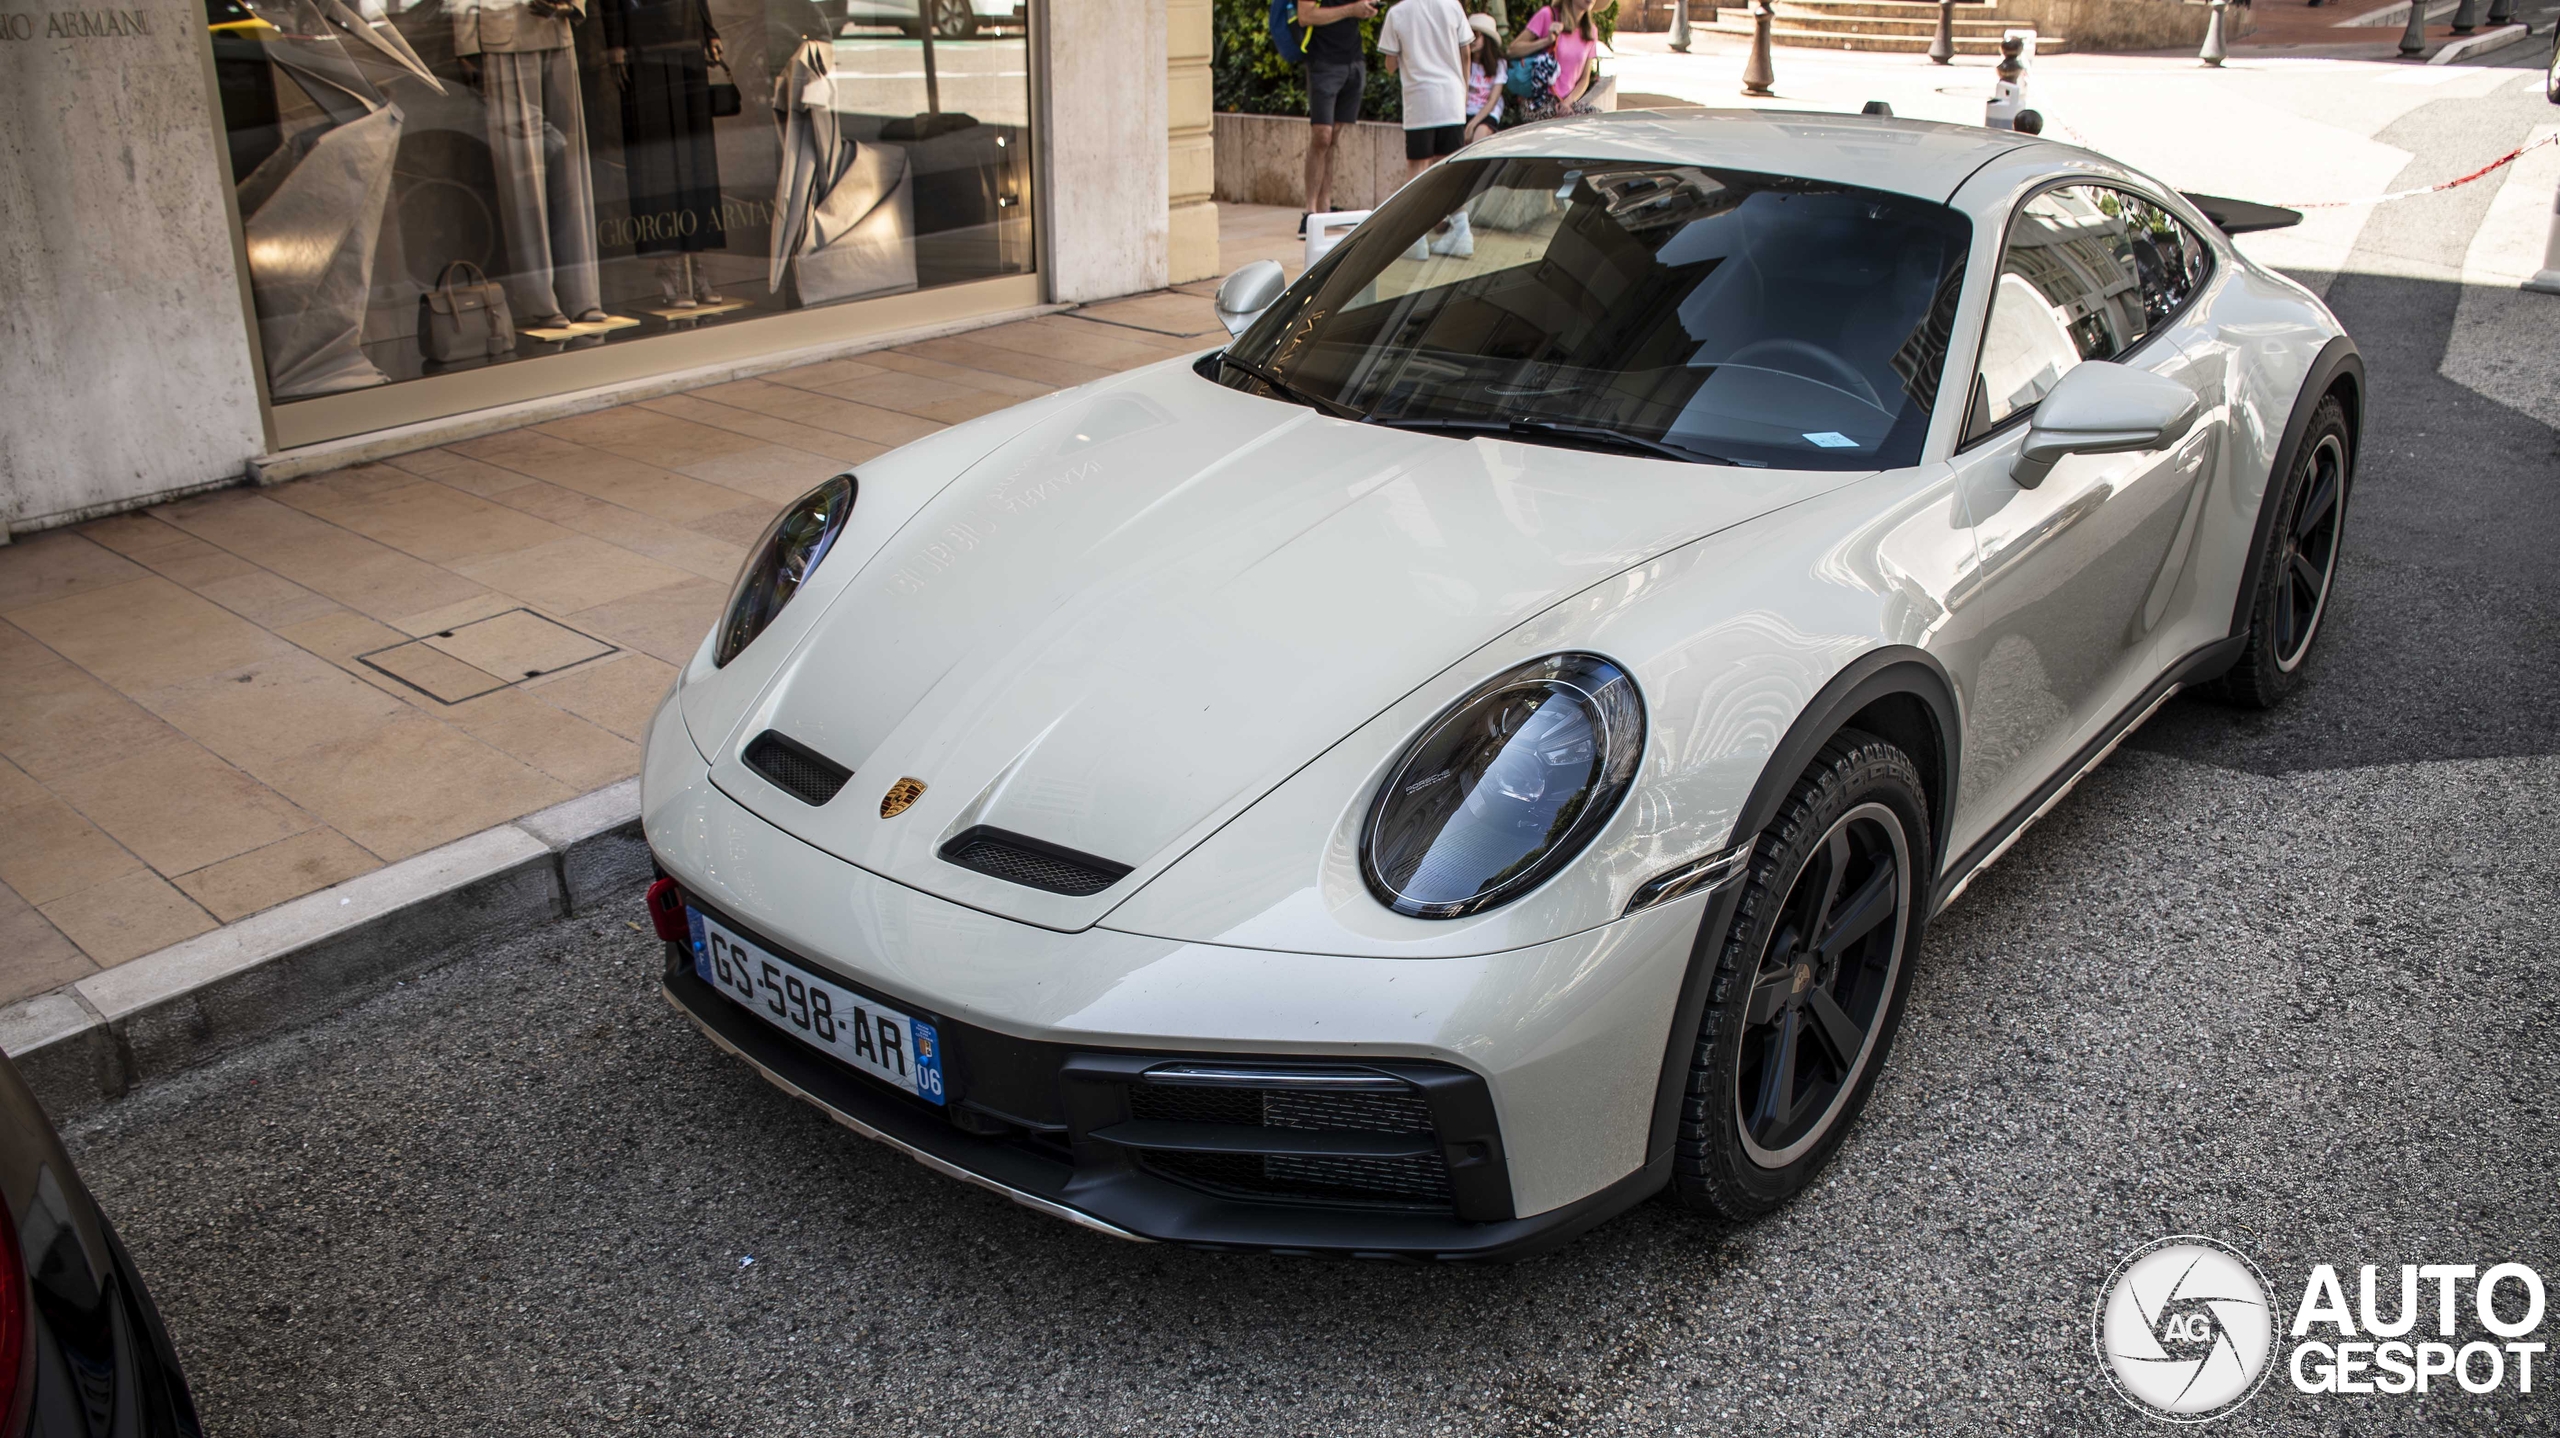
518, 53
659, 54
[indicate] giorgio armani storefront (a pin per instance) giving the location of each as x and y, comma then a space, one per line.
408, 213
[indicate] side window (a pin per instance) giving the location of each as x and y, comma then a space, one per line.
2169, 259
2067, 291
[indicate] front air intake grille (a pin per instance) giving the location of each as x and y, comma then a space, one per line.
1032, 863
1417, 1181
796, 769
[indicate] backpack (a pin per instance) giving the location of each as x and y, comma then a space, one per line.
1286, 35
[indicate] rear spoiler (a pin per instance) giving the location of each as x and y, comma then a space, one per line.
2241, 217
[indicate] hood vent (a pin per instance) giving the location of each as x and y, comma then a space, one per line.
1032, 863
796, 769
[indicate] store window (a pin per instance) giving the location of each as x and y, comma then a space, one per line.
609, 169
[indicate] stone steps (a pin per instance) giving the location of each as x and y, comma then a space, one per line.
1793, 18
1814, 25
1891, 9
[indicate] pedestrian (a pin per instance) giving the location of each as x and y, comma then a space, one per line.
1557, 56
1425, 43
1335, 75
1485, 71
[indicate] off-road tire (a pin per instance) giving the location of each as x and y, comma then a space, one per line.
1855, 779
2272, 665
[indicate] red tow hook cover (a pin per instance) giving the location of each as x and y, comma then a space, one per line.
666, 910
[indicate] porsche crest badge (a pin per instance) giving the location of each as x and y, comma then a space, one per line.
900, 795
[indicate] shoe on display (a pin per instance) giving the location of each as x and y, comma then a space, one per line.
703, 293
592, 317
672, 286
1419, 249
1460, 242
1302, 224
554, 321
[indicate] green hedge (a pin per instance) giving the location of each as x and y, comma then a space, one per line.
1250, 77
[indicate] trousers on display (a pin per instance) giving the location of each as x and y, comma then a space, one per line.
668, 152
546, 198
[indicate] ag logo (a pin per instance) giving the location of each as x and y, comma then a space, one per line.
2185, 1326
901, 795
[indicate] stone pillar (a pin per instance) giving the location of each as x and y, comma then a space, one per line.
124, 336
1191, 167
1106, 145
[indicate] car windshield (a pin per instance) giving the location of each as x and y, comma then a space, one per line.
1675, 310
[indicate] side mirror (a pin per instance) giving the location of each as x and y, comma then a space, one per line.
2101, 407
1248, 292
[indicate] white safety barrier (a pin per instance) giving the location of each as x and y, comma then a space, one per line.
2547, 280
1326, 230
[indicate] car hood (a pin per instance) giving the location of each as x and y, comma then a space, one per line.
1135, 617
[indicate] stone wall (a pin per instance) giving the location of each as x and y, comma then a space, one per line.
1262, 159
124, 358
2126, 24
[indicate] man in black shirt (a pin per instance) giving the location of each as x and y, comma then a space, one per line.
1335, 76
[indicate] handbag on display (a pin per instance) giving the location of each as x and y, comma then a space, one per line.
725, 99
465, 321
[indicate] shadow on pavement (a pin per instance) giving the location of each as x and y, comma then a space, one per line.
2443, 636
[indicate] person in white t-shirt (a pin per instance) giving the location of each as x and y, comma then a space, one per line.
1425, 43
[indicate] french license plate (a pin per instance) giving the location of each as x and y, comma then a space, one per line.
904, 1053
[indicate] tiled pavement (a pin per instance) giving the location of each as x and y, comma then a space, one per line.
212, 706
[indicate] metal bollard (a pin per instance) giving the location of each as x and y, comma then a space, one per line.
1758, 73
2502, 12
1680, 26
2413, 38
2214, 51
1942, 46
2009, 80
2466, 18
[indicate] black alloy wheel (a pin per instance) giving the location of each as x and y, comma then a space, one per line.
2297, 562
1810, 980
2308, 547
1822, 985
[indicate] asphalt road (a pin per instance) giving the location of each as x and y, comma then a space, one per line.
2284, 981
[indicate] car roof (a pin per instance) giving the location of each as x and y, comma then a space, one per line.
1923, 158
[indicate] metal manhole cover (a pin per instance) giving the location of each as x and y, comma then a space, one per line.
486, 655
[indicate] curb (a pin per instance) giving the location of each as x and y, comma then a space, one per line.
94, 1041
2480, 44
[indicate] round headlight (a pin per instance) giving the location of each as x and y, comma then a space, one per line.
781, 562
1505, 788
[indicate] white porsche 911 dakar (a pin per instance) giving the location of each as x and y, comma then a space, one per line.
1484, 748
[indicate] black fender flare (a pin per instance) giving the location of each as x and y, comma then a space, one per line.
2336, 358
1893, 670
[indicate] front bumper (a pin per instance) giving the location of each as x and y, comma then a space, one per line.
1540, 1067
1023, 1119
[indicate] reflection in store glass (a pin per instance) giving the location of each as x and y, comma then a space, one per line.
579, 152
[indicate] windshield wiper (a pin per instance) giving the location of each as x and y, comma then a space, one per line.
1333, 407
1596, 436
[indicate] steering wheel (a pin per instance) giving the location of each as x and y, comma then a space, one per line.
1842, 375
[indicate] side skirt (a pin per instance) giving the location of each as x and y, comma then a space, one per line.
2206, 663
